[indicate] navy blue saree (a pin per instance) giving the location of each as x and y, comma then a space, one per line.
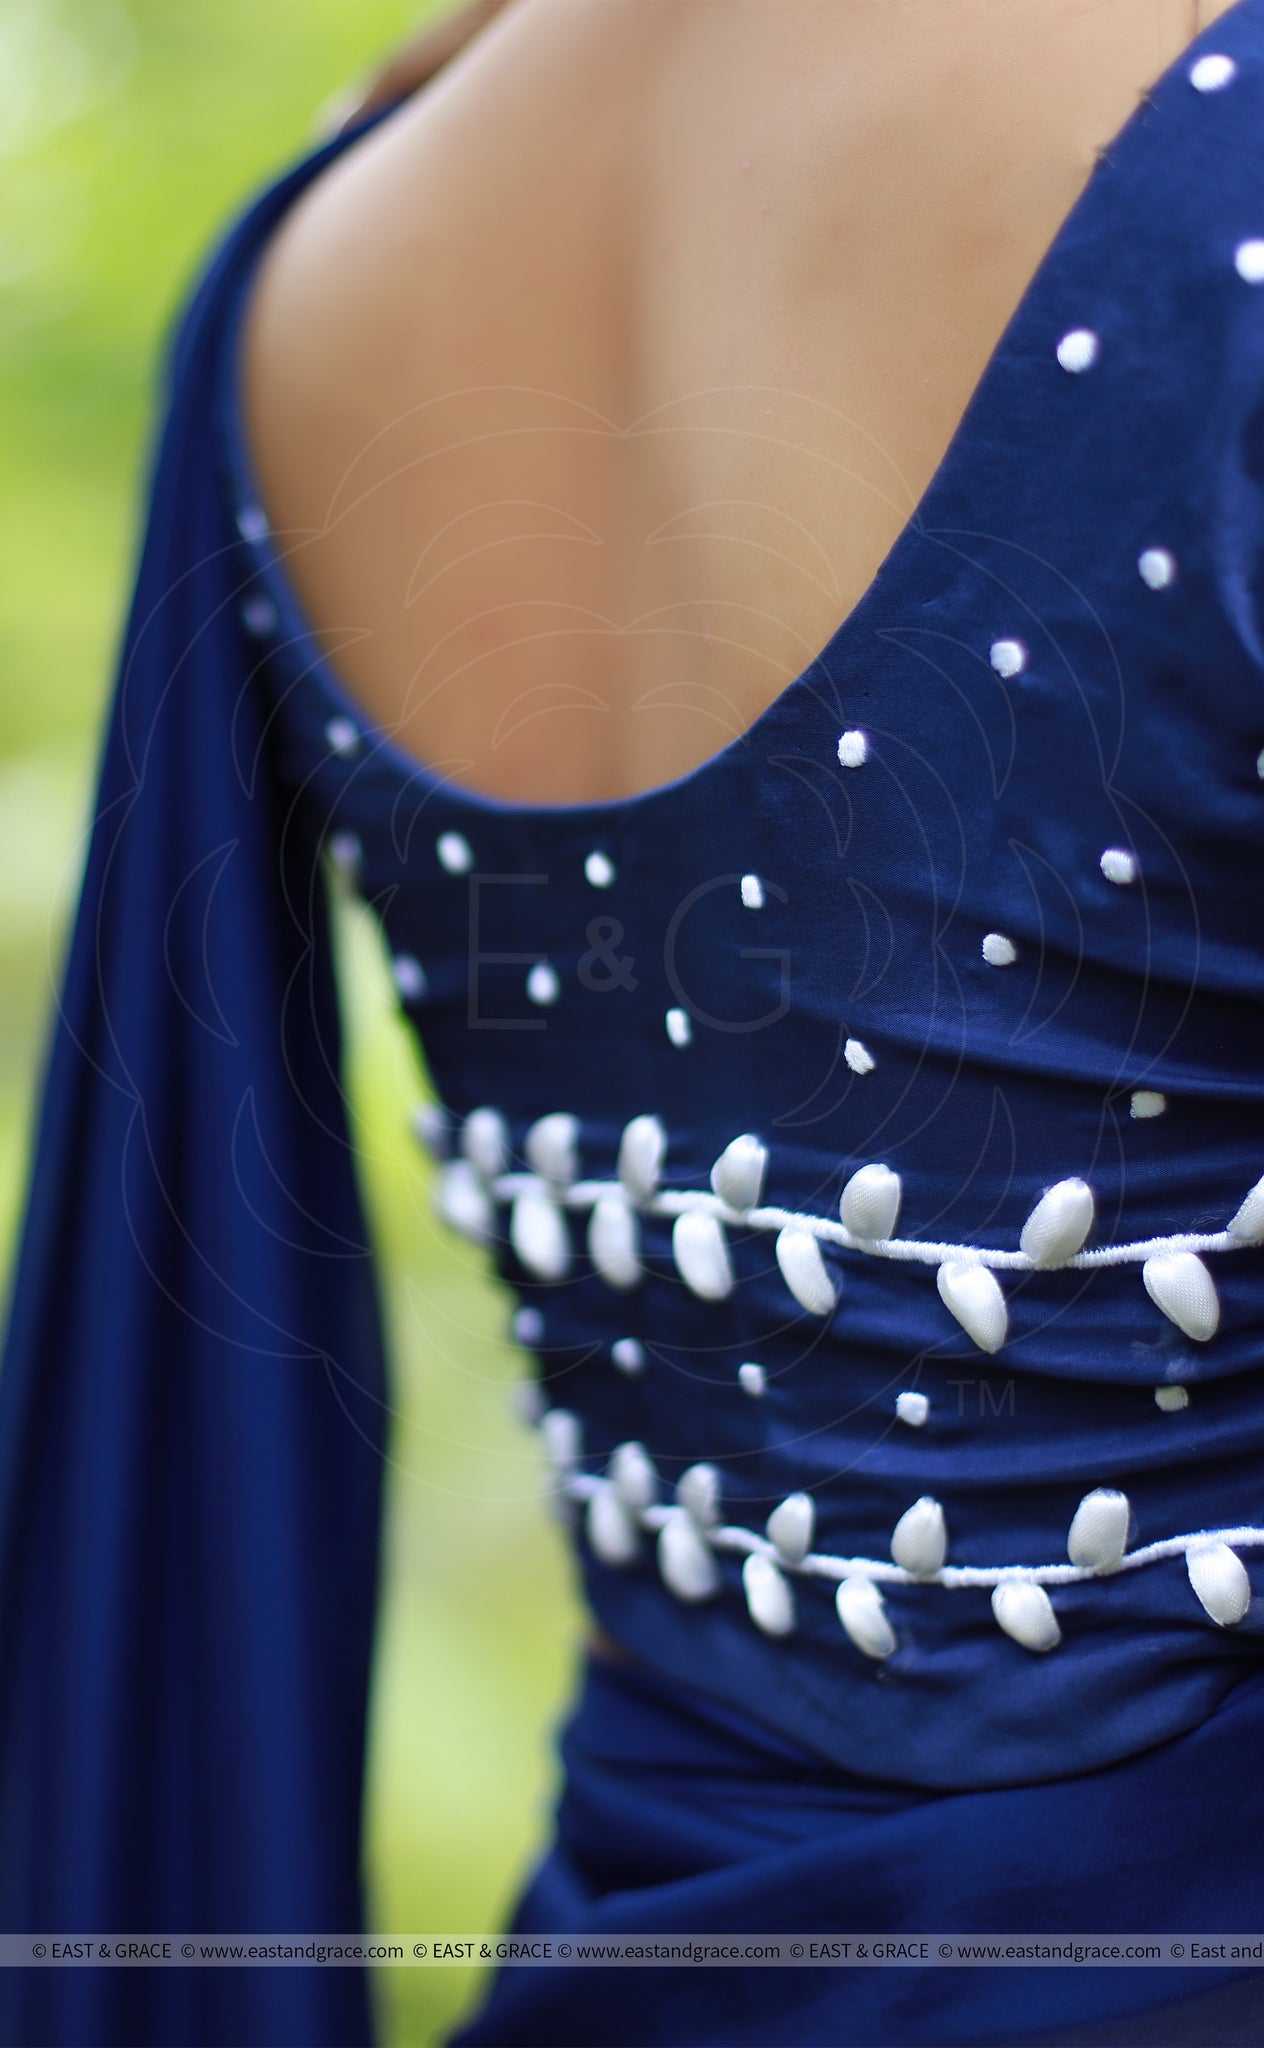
952, 1078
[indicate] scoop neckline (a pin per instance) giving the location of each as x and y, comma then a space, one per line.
295, 630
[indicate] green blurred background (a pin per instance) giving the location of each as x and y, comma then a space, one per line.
130, 130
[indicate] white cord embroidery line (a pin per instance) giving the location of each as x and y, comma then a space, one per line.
1172, 1272
624, 1502
581, 1486
1052, 1238
585, 1194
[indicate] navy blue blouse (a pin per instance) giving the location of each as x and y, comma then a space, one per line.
869, 1125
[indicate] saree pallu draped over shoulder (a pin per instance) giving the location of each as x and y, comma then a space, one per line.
192, 1401
895, 1665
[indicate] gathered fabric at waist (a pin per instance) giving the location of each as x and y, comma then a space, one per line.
683, 1816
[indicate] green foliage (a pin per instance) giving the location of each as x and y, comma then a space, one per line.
130, 130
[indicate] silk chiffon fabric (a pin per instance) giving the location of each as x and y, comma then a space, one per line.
193, 1396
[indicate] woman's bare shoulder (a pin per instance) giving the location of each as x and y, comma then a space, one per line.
479, 187
602, 376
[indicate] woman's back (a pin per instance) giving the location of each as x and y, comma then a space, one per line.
952, 939
605, 375
864, 1116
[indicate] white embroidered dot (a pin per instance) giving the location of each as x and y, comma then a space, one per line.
752, 892
999, 951
752, 1379
804, 1270
769, 1596
1180, 1284
462, 1200
853, 749
684, 1558
973, 1295
1025, 1612
432, 1128
791, 1527
1098, 1535
259, 616
1078, 349
614, 1241
1059, 1223
1158, 565
1210, 73
599, 870
698, 1493
252, 523
543, 985
628, 1355
1147, 1102
528, 1327
342, 735
551, 1147
912, 1407
738, 1174
1118, 865
410, 978
485, 1141
642, 1149
528, 1403
701, 1252
563, 1439
863, 1613
612, 1530
345, 851
538, 1234
858, 1057
870, 1202
1247, 1223
1219, 1577
919, 1542
1248, 261
679, 1026
633, 1475
455, 852
1008, 657
1259, 764
1171, 1399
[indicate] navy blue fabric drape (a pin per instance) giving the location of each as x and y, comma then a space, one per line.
680, 1817
193, 1390
192, 1395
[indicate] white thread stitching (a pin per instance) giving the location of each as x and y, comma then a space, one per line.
582, 1486
585, 1194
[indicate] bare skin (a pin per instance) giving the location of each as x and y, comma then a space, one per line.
591, 389
410, 66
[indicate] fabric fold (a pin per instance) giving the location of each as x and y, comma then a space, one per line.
193, 1392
